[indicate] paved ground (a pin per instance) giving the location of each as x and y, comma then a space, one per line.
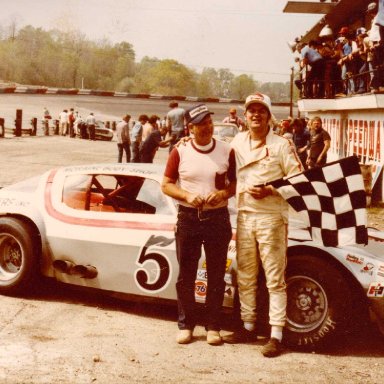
22, 157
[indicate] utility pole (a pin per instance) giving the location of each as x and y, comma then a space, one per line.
291, 94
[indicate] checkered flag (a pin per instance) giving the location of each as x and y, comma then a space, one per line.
331, 200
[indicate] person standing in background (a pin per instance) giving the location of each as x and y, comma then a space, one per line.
123, 139
232, 118
301, 138
319, 144
149, 127
136, 136
63, 121
91, 124
71, 122
151, 144
175, 123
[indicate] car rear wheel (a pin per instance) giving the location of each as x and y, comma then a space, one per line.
18, 257
319, 302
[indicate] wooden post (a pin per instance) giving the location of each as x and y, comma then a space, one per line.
56, 127
2, 129
34, 126
18, 122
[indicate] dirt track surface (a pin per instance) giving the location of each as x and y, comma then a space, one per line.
60, 335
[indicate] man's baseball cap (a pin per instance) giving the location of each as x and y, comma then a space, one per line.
258, 98
197, 113
344, 31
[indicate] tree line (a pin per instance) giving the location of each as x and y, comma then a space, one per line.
59, 59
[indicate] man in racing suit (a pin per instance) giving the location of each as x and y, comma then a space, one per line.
261, 157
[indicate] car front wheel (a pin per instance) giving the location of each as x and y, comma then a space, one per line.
319, 302
18, 257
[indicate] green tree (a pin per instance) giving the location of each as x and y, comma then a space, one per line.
242, 86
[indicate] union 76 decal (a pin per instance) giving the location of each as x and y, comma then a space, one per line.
155, 271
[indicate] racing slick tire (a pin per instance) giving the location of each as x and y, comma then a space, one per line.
319, 307
18, 257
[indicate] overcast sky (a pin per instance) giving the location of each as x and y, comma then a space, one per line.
247, 36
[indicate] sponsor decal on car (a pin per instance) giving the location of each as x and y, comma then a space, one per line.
229, 263
368, 269
355, 259
200, 289
228, 278
202, 274
380, 271
155, 270
232, 248
8, 202
376, 290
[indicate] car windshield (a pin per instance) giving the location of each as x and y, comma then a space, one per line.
225, 131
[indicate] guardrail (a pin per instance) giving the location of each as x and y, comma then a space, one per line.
96, 92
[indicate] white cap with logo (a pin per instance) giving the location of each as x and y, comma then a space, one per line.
258, 98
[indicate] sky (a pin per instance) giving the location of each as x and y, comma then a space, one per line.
247, 36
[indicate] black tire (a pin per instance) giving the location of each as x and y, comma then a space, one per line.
319, 306
18, 257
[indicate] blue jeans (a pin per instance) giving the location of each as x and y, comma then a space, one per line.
212, 231
123, 147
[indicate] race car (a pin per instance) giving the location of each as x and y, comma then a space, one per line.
109, 227
224, 131
101, 131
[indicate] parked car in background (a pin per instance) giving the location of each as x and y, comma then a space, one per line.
224, 131
101, 132
109, 227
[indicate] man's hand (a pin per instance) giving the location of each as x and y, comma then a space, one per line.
259, 193
215, 198
196, 201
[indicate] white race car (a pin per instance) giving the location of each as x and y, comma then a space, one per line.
110, 227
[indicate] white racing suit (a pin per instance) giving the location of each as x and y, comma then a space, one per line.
262, 224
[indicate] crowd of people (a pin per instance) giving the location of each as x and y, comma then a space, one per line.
352, 62
70, 123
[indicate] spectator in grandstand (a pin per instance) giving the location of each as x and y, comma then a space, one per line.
361, 60
375, 52
347, 65
314, 86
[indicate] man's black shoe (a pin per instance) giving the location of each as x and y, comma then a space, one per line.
240, 336
272, 348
